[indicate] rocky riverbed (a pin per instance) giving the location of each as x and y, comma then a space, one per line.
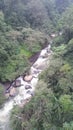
23, 88
25, 84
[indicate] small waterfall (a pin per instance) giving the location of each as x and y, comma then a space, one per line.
24, 94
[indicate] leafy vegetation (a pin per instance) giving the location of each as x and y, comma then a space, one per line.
16, 47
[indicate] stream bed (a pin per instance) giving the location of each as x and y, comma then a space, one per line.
27, 89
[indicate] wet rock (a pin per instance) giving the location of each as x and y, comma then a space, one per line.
17, 83
30, 92
35, 65
12, 92
41, 67
28, 87
28, 78
45, 56
36, 71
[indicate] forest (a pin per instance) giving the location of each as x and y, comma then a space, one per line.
25, 29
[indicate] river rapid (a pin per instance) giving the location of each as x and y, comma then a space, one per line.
25, 94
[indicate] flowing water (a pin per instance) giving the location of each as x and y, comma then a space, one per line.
24, 94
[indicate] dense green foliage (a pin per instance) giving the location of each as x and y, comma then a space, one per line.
28, 13
42, 14
10, 55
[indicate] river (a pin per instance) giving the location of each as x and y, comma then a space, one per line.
24, 94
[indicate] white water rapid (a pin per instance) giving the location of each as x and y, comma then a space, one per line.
24, 94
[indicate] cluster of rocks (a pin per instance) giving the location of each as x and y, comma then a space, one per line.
12, 90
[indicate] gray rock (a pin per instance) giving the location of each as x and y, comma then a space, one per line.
17, 83
30, 92
28, 87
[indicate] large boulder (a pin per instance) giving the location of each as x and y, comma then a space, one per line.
12, 92
28, 78
17, 83
7, 92
41, 66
